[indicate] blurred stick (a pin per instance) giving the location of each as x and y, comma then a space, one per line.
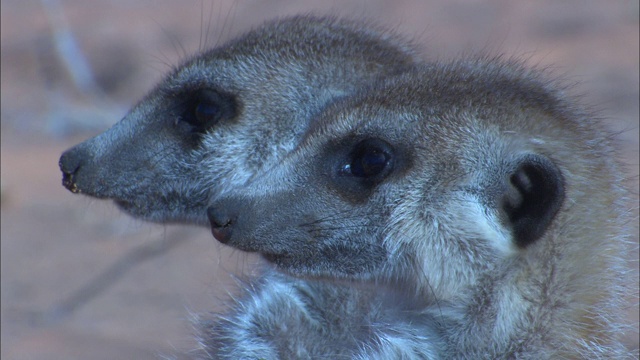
67, 116
108, 277
67, 48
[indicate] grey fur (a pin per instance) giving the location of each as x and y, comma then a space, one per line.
281, 74
278, 76
435, 225
284, 317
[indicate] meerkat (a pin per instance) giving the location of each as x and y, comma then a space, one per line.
477, 190
220, 117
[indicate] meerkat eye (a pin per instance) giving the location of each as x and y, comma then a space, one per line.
207, 112
370, 159
207, 108
368, 163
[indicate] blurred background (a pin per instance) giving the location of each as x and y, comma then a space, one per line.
80, 280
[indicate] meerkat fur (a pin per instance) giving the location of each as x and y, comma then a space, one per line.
223, 115
477, 189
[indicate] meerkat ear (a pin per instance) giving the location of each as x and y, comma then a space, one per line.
534, 194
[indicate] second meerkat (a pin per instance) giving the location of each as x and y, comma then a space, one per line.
476, 189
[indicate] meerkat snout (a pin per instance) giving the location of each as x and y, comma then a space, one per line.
221, 224
70, 162
533, 197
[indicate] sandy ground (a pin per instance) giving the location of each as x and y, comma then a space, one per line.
54, 243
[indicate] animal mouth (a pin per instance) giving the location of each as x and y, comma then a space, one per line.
134, 209
271, 257
69, 183
124, 205
281, 260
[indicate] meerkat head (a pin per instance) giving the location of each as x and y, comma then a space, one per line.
428, 178
227, 113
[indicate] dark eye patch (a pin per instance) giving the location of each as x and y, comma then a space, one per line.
369, 161
207, 112
359, 165
203, 109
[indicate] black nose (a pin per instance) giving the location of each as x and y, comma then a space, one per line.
70, 162
221, 224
